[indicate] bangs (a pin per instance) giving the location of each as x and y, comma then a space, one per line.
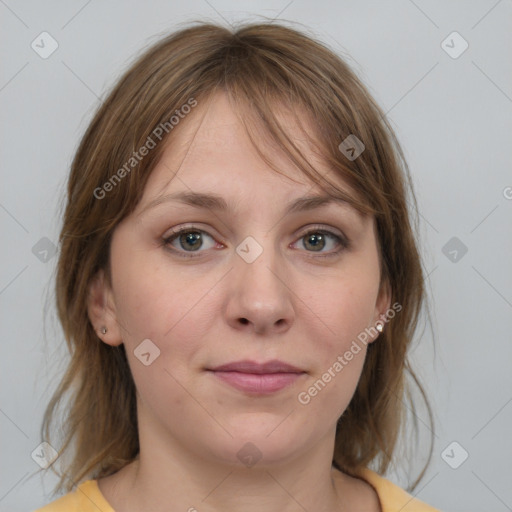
280, 106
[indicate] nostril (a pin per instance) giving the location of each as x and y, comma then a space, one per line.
244, 320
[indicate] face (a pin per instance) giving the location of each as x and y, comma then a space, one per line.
248, 282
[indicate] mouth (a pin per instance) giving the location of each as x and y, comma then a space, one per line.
258, 378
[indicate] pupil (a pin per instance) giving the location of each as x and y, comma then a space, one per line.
317, 239
192, 237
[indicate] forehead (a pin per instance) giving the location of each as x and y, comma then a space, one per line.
211, 149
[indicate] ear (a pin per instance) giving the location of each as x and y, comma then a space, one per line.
382, 306
102, 311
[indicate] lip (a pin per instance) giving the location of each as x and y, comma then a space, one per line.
247, 366
258, 378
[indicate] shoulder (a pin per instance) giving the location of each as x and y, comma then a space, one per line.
85, 498
392, 497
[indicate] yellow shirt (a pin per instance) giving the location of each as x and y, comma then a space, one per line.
87, 497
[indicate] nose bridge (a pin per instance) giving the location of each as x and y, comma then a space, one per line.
260, 294
258, 263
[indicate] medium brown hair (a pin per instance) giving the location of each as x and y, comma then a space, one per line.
261, 67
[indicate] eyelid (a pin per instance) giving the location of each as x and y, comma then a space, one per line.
184, 228
323, 229
339, 236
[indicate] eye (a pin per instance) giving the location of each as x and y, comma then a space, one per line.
315, 240
189, 240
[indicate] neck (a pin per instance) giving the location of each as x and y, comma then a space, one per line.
162, 478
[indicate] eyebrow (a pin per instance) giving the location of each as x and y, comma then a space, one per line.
218, 203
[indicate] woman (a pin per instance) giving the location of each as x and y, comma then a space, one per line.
238, 284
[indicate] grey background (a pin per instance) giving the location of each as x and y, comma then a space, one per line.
453, 117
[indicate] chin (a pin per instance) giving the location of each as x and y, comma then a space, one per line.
266, 446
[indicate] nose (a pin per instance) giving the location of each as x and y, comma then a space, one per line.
260, 299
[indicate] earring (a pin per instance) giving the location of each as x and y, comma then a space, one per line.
379, 327
103, 330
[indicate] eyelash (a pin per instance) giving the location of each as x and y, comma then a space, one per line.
342, 241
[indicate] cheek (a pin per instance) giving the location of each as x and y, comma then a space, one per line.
337, 359
156, 302
152, 300
346, 306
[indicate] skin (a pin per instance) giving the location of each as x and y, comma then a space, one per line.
289, 304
